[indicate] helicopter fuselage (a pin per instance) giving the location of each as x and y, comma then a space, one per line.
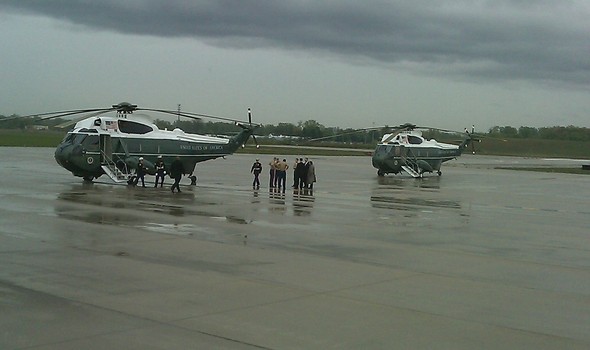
118, 142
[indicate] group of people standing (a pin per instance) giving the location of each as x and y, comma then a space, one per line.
303, 173
176, 171
278, 173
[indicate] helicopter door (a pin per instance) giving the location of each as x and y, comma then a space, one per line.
106, 148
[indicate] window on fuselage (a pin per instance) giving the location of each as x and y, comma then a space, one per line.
91, 143
130, 127
414, 140
79, 138
69, 138
382, 149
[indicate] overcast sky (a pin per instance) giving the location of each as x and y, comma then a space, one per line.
344, 63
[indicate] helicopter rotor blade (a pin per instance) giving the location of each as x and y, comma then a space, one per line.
250, 122
336, 135
100, 111
75, 120
60, 114
355, 131
170, 112
128, 108
255, 141
195, 116
442, 130
52, 115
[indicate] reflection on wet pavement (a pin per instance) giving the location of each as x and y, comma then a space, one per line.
127, 206
114, 205
401, 194
392, 202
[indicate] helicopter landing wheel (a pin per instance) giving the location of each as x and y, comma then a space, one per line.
88, 178
380, 173
439, 173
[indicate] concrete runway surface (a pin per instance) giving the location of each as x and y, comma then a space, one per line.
479, 258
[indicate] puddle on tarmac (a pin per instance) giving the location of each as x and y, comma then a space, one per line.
128, 207
237, 220
428, 182
390, 202
117, 213
178, 229
93, 217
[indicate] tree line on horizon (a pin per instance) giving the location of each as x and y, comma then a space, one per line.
311, 129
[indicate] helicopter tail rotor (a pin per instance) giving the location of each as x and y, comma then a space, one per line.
250, 122
250, 127
471, 138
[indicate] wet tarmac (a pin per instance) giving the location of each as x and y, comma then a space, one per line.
479, 258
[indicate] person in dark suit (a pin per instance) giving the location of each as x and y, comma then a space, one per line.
311, 178
304, 173
176, 171
299, 171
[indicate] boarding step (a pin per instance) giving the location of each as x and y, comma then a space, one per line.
411, 171
114, 173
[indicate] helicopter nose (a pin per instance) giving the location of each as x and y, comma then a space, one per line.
62, 154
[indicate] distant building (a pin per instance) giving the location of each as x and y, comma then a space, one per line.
39, 127
283, 137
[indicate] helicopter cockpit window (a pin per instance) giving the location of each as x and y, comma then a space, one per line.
382, 149
414, 140
130, 127
79, 138
68, 139
91, 143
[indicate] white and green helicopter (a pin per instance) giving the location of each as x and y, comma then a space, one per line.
403, 150
111, 144
406, 150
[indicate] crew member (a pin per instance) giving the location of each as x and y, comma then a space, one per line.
256, 170
160, 171
176, 171
140, 173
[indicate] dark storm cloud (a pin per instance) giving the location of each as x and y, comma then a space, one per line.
496, 39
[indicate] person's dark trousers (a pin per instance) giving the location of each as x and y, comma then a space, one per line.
158, 177
272, 178
176, 184
256, 182
282, 181
137, 180
302, 184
